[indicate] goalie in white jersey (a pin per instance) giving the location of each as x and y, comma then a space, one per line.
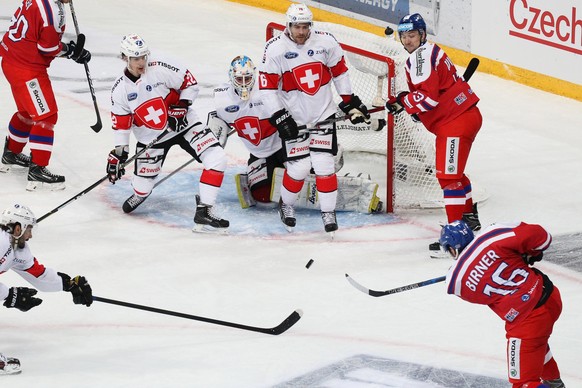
296, 73
239, 104
153, 96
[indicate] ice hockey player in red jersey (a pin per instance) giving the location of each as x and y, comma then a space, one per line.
447, 106
496, 269
16, 225
152, 96
296, 73
27, 49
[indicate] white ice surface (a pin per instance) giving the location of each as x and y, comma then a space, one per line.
527, 156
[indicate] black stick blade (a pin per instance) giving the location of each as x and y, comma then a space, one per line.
287, 323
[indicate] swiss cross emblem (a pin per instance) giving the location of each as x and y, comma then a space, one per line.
309, 77
249, 128
153, 113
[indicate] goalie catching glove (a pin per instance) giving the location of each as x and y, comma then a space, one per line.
177, 113
355, 109
22, 298
79, 287
285, 124
115, 164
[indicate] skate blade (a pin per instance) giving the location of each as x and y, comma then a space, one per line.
43, 186
15, 169
289, 228
207, 229
439, 255
331, 235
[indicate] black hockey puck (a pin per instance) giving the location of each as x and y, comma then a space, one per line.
309, 263
388, 31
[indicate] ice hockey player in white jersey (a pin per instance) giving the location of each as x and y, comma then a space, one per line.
296, 74
154, 96
239, 104
16, 224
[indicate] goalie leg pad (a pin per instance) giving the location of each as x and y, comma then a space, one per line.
244, 191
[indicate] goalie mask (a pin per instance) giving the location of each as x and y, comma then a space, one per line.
18, 214
242, 76
132, 46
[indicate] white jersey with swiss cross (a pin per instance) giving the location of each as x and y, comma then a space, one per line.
250, 118
301, 76
142, 106
21, 261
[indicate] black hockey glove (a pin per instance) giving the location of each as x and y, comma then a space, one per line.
357, 111
285, 124
79, 287
115, 169
177, 113
531, 260
76, 51
22, 298
395, 105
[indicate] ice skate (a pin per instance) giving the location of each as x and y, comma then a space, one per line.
435, 251
132, 203
472, 219
12, 161
329, 222
9, 365
287, 214
39, 177
205, 221
556, 383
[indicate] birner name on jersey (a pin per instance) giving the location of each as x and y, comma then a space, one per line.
476, 274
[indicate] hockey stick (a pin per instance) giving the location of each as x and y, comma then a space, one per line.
471, 67
375, 125
98, 125
394, 290
279, 329
79, 195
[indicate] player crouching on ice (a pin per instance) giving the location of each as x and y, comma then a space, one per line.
150, 97
240, 105
496, 269
16, 226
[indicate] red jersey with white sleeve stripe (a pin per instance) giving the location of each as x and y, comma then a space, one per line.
33, 39
21, 261
250, 118
299, 77
437, 93
492, 271
142, 105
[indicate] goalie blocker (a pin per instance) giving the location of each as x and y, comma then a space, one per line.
355, 193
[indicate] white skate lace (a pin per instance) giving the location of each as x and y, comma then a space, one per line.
288, 210
328, 218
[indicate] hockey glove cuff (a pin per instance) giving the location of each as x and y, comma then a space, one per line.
177, 113
115, 165
285, 124
22, 298
79, 287
356, 110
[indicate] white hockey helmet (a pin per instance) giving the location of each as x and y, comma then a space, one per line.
299, 13
242, 76
18, 214
132, 45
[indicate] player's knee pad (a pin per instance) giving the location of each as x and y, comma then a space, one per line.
298, 169
323, 163
450, 184
143, 186
257, 173
149, 164
214, 158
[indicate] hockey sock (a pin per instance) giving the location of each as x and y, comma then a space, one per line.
290, 189
41, 140
327, 191
210, 182
19, 127
454, 198
468, 194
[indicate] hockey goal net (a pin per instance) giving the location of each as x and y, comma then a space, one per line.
406, 148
